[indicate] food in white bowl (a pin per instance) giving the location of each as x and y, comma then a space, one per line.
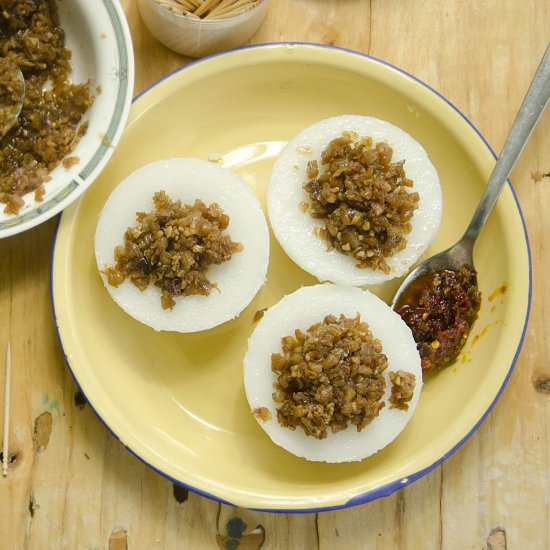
51, 121
182, 245
332, 373
78, 86
354, 200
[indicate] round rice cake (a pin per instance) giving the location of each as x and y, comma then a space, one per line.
237, 280
300, 310
298, 232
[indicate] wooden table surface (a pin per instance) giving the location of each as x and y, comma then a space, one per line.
72, 485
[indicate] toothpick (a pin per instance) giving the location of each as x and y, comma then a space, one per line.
6, 413
206, 6
230, 10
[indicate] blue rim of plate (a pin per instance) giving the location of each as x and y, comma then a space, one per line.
123, 69
388, 488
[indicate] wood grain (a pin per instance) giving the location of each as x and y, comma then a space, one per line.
73, 485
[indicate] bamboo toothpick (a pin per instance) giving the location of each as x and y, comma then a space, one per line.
208, 9
206, 6
232, 8
6, 413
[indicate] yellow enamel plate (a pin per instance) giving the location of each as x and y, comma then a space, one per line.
177, 401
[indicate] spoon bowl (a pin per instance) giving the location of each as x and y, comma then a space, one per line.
452, 259
12, 94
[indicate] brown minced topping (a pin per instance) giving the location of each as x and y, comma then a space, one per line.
172, 247
262, 413
363, 198
402, 389
440, 309
12, 89
330, 376
51, 120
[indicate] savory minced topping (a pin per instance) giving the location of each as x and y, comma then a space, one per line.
50, 123
261, 413
12, 89
402, 389
363, 198
259, 314
172, 248
330, 376
440, 309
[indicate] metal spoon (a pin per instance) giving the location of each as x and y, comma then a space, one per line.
12, 93
461, 254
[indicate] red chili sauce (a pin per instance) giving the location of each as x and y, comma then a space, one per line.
440, 309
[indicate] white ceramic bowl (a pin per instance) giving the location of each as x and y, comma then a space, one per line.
200, 37
98, 36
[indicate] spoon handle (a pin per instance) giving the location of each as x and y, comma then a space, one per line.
526, 119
